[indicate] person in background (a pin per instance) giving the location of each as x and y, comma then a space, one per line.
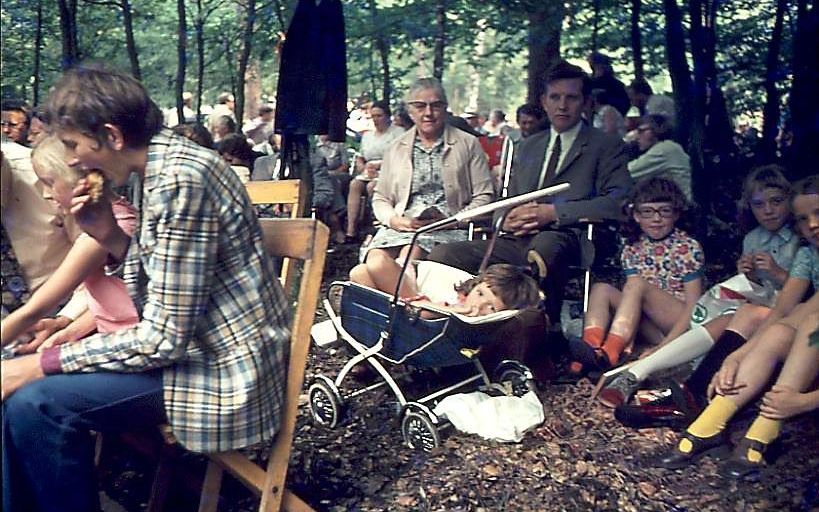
531, 118
400, 116
15, 121
496, 123
373, 146
611, 121
261, 128
473, 119
37, 126
225, 103
195, 132
222, 127
659, 155
639, 91
172, 115
236, 151
613, 90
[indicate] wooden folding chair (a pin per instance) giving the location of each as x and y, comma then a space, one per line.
300, 239
283, 192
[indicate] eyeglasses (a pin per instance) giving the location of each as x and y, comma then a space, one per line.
642, 129
9, 124
421, 106
647, 212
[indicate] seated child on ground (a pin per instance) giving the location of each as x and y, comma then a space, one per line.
663, 268
499, 287
110, 306
768, 249
746, 371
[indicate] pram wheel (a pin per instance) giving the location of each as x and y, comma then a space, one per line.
517, 374
419, 429
325, 401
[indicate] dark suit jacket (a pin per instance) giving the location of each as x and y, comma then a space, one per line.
595, 167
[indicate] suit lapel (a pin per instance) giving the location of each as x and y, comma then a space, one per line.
575, 151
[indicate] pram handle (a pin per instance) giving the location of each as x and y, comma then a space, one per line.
509, 202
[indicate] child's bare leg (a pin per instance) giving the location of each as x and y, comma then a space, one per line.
603, 298
747, 319
359, 274
385, 271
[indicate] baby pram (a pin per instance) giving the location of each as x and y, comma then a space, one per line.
391, 335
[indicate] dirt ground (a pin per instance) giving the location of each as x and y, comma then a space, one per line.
580, 459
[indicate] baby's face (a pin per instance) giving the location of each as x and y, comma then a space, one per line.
483, 301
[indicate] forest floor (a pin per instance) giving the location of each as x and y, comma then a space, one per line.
579, 459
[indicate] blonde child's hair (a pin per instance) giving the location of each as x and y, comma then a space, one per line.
49, 156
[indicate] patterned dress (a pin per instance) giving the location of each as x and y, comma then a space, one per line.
667, 264
427, 191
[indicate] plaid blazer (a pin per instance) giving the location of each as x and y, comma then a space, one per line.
213, 315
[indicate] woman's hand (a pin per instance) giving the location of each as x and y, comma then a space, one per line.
16, 373
724, 381
406, 224
783, 402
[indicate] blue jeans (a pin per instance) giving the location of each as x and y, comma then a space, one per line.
48, 453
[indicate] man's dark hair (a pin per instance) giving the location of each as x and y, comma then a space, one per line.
195, 132
641, 85
87, 98
383, 105
236, 145
565, 71
531, 109
661, 126
14, 104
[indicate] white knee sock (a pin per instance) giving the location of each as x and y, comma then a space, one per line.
693, 343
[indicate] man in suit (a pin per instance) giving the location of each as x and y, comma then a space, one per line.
546, 233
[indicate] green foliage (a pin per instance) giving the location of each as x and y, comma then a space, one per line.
486, 45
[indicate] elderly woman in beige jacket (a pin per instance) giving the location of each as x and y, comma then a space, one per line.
430, 172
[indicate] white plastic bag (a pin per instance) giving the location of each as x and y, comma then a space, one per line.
498, 418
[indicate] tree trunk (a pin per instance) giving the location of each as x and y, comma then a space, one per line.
68, 27
182, 59
595, 23
545, 19
689, 128
382, 46
636, 40
199, 28
130, 43
710, 105
244, 56
804, 101
440, 39
38, 49
770, 112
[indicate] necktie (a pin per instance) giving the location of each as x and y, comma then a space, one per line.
551, 167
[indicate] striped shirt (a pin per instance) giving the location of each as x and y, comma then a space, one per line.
213, 315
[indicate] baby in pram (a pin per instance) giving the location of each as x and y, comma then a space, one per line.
499, 287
